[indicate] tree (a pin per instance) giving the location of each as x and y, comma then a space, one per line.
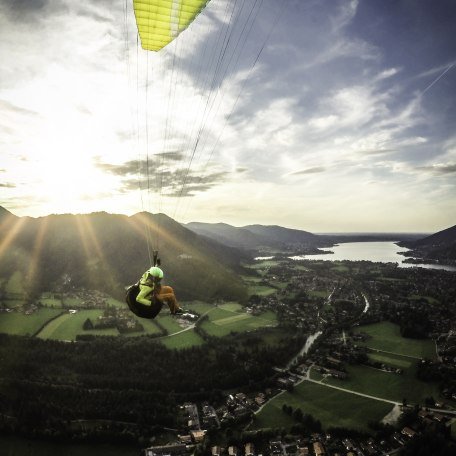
87, 324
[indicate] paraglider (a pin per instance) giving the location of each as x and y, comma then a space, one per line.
180, 128
146, 298
160, 21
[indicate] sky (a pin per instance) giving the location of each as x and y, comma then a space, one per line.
321, 115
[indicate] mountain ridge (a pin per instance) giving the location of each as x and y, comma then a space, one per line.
109, 251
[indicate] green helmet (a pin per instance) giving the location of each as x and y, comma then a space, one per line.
156, 272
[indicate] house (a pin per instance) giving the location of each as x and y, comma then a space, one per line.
408, 432
198, 436
249, 449
166, 450
233, 451
318, 449
185, 439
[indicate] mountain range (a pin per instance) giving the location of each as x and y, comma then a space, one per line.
108, 252
257, 237
440, 246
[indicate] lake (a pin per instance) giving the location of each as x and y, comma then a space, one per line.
382, 252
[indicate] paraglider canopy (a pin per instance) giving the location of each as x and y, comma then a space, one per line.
160, 21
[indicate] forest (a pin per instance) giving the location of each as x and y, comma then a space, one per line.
46, 383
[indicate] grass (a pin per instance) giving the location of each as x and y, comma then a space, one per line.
199, 307
168, 322
222, 321
340, 268
185, 339
260, 290
392, 360
72, 302
330, 406
387, 385
149, 328
386, 336
13, 303
21, 324
14, 284
115, 303
231, 307
68, 326
47, 299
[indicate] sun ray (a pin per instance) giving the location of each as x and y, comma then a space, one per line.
11, 234
37, 249
82, 236
87, 229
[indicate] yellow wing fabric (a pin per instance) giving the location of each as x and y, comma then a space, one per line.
160, 21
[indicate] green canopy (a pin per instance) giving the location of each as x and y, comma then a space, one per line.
160, 21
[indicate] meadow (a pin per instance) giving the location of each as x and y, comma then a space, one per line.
21, 324
14, 285
68, 326
388, 385
385, 336
405, 354
229, 318
182, 340
330, 406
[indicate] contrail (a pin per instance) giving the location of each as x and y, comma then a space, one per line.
437, 79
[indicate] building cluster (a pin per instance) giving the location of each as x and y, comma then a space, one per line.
316, 444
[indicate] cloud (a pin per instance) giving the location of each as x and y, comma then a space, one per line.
10, 108
173, 183
7, 185
314, 170
439, 169
23, 10
375, 151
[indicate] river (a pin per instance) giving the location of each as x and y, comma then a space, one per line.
382, 252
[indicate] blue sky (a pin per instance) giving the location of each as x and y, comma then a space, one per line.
328, 115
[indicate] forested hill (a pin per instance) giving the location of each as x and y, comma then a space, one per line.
284, 235
438, 246
233, 236
257, 236
107, 252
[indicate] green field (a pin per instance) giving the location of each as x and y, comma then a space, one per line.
330, 406
149, 328
223, 321
72, 302
168, 322
115, 303
68, 326
48, 299
13, 303
386, 336
199, 307
185, 339
340, 268
260, 290
387, 385
21, 324
14, 284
